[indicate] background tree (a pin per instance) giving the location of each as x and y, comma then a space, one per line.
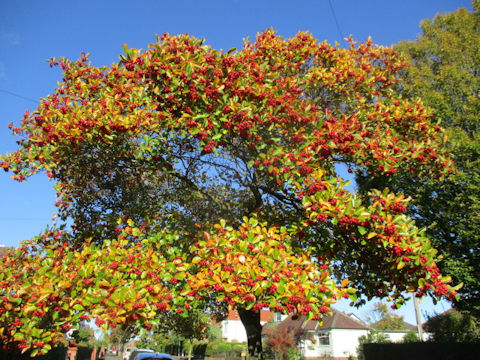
453, 326
214, 332
188, 329
197, 178
160, 341
85, 336
384, 319
445, 72
118, 336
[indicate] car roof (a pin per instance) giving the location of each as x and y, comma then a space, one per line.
149, 355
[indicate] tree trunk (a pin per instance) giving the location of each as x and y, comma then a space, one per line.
251, 321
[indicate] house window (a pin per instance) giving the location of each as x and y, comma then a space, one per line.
277, 317
323, 338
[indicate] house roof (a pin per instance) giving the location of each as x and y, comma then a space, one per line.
407, 326
335, 320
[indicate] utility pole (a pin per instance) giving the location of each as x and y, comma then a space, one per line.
418, 317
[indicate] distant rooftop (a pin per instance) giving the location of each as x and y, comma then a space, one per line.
336, 320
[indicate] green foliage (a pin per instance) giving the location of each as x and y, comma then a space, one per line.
156, 341
453, 326
85, 336
223, 348
373, 336
192, 327
295, 353
329, 357
411, 337
445, 73
390, 322
174, 331
214, 332
118, 336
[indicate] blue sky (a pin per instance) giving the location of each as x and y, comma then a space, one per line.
33, 31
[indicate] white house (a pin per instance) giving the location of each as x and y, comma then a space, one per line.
336, 336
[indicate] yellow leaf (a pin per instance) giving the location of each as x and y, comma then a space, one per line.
151, 314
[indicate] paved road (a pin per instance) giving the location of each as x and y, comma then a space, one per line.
112, 357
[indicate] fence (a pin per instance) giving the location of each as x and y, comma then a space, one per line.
422, 351
59, 353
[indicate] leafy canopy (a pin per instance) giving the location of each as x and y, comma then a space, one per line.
195, 177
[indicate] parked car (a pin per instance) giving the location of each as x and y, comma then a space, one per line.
135, 352
153, 356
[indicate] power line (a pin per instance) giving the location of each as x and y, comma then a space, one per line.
19, 96
336, 22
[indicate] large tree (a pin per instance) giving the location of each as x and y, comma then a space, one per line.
444, 70
197, 178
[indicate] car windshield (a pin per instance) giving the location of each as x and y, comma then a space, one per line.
135, 353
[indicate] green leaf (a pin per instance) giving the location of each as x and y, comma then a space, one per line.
78, 307
362, 230
216, 136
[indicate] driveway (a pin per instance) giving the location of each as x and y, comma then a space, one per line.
112, 357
